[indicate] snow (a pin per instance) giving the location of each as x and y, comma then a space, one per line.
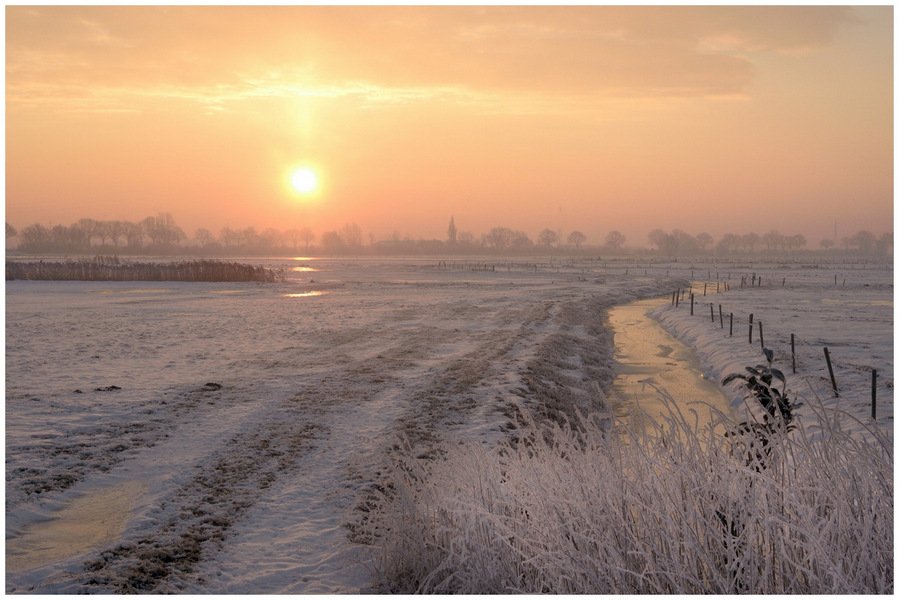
256, 486
327, 382
853, 320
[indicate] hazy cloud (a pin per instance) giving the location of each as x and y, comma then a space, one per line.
216, 55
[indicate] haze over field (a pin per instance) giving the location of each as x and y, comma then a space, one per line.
717, 119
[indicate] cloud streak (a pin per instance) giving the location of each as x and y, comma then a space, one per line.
218, 56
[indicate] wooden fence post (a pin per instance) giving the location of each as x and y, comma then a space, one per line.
691, 304
712, 310
677, 298
750, 328
874, 393
721, 316
833, 380
731, 324
761, 336
793, 351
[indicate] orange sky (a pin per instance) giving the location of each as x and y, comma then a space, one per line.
716, 119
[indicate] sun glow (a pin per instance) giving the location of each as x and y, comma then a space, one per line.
304, 180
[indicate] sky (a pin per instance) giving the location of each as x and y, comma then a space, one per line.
707, 119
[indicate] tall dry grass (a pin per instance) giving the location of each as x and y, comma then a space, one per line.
106, 268
666, 510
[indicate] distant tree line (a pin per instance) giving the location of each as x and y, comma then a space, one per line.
161, 235
680, 243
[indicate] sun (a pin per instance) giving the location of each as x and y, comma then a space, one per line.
304, 180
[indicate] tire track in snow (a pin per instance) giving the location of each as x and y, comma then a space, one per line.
199, 514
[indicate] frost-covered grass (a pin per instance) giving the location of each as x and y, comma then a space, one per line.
586, 510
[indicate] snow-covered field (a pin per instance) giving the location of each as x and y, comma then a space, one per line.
235, 435
235, 432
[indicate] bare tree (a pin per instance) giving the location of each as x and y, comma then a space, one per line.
773, 240
307, 236
203, 237
615, 239
499, 238
660, 239
576, 238
728, 244
352, 235
10, 231
705, 241
548, 238
116, 231
271, 238
750, 241
863, 240
34, 236
229, 238
885, 243
519, 240
796, 241
333, 242
292, 237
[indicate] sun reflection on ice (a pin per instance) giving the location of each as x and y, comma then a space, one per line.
305, 294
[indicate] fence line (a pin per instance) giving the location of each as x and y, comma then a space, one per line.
828, 358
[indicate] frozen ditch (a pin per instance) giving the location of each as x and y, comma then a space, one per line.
650, 359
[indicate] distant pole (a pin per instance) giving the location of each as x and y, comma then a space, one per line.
721, 316
676, 298
793, 350
761, 336
704, 287
673, 294
731, 324
873, 393
691, 304
712, 310
833, 380
750, 328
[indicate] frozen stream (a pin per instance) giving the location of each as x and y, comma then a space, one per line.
648, 359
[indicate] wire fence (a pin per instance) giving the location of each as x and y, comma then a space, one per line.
815, 360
